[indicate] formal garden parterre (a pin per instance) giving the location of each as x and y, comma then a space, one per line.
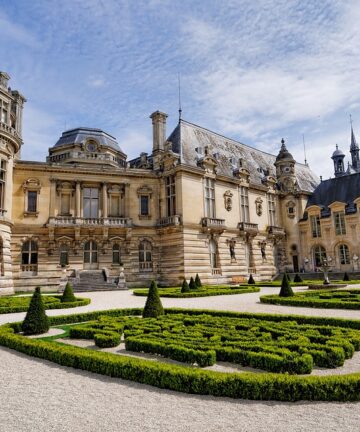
204, 291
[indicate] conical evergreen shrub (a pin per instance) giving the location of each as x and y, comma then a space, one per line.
297, 278
68, 294
185, 287
346, 277
198, 281
251, 280
286, 290
36, 321
192, 284
288, 276
153, 307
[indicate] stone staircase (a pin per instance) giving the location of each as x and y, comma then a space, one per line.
92, 280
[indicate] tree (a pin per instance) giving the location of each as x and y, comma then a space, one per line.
185, 287
192, 284
153, 307
68, 294
346, 277
36, 321
198, 281
251, 280
286, 290
297, 278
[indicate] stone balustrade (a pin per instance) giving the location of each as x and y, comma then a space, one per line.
275, 230
8, 129
169, 221
213, 224
249, 228
65, 221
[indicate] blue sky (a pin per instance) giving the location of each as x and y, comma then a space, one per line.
254, 71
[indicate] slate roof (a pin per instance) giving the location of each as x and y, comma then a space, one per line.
81, 134
187, 137
343, 189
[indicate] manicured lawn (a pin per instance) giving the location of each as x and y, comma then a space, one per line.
332, 299
204, 291
13, 304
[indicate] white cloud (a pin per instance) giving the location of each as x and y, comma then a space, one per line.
16, 32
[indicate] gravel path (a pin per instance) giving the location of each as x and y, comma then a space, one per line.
40, 396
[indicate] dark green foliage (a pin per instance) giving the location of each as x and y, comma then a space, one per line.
107, 340
346, 277
251, 280
192, 284
297, 278
68, 294
286, 290
153, 307
288, 277
36, 321
185, 287
198, 281
205, 291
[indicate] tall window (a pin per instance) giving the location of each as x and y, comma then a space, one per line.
319, 255
90, 254
2, 183
344, 255
145, 256
116, 254
213, 254
65, 204
115, 205
271, 209
32, 201
244, 204
29, 256
209, 197
144, 205
64, 255
91, 202
170, 195
4, 112
315, 226
339, 220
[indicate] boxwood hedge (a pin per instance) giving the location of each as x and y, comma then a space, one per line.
203, 291
257, 386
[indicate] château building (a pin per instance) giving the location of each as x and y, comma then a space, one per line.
199, 203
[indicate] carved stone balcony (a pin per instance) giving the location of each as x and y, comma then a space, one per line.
248, 228
68, 221
174, 220
11, 133
275, 231
213, 224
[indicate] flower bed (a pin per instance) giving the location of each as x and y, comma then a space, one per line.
331, 338
14, 304
332, 299
204, 291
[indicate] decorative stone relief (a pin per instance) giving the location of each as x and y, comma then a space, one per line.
231, 243
228, 200
259, 207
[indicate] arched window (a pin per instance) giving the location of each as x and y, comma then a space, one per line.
145, 256
116, 254
344, 255
319, 255
29, 256
64, 255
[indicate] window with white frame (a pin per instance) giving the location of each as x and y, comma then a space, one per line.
315, 226
4, 112
91, 202
244, 204
344, 255
170, 194
209, 197
31, 202
145, 256
213, 254
29, 256
339, 220
2, 183
32, 189
271, 209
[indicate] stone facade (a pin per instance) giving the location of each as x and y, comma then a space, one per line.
200, 203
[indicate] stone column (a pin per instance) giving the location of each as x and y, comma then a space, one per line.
78, 199
104, 200
52, 211
127, 200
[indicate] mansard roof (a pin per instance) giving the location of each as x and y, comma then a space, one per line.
341, 189
190, 140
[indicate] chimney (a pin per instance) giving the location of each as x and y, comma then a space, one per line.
159, 130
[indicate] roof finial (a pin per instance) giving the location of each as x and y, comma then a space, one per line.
337, 147
304, 149
179, 85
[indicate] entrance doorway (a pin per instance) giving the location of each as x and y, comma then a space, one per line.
90, 255
295, 263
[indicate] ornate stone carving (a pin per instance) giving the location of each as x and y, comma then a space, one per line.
228, 200
258, 205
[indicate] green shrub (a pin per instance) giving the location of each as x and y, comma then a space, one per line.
68, 294
185, 287
198, 281
286, 290
205, 291
153, 307
107, 340
192, 284
36, 321
251, 280
346, 277
297, 278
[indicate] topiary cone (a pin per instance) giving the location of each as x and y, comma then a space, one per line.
36, 321
198, 281
68, 294
192, 284
346, 277
297, 278
153, 307
185, 287
286, 290
251, 280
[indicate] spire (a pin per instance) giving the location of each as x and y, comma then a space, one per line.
354, 150
354, 144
